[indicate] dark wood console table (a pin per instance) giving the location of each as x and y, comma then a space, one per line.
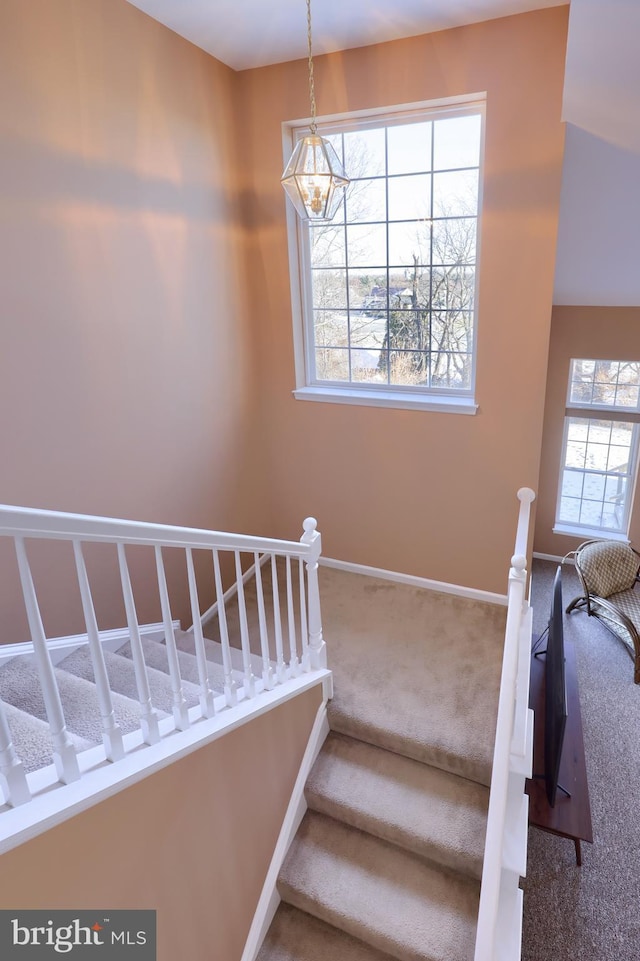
571, 816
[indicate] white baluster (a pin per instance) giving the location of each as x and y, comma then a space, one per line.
294, 666
179, 706
305, 661
249, 679
111, 733
230, 686
206, 694
317, 646
148, 714
13, 779
267, 673
281, 670
64, 754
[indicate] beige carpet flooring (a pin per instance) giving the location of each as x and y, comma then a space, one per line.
416, 671
591, 912
386, 863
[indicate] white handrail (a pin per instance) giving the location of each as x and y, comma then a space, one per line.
492, 889
28, 522
25, 525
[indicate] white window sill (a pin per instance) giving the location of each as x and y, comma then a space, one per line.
447, 404
589, 533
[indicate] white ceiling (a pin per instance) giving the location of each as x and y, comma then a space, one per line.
253, 33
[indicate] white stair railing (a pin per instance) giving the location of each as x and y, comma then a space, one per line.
64, 754
180, 712
111, 733
499, 931
300, 617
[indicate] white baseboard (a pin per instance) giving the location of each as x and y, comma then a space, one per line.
269, 898
414, 581
552, 557
60, 647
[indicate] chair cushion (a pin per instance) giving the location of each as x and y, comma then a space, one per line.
629, 603
608, 567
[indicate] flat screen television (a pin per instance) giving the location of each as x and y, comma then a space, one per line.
555, 693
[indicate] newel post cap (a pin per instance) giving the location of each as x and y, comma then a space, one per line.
311, 534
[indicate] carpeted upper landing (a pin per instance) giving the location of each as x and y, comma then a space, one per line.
445, 654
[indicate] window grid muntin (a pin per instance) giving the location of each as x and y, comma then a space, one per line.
475, 109
616, 416
616, 384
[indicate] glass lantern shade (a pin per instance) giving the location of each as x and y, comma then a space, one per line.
314, 179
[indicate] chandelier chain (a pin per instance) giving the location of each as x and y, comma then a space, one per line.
312, 91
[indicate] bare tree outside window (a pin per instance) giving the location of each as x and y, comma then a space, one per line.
393, 276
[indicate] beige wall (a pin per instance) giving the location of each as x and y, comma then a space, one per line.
602, 333
426, 493
132, 365
193, 841
125, 366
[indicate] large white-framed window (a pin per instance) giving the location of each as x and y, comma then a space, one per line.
385, 296
599, 463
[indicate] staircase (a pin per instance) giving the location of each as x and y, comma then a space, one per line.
387, 861
414, 834
22, 694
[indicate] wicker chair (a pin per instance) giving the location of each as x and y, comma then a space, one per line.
609, 571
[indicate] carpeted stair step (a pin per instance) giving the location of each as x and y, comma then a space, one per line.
20, 686
155, 654
381, 894
423, 809
122, 678
213, 649
297, 936
32, 739
416, 671
405, 739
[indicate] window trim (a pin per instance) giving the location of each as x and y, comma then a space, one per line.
594, 412
375, 395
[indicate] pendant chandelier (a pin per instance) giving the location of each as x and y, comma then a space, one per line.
314, 178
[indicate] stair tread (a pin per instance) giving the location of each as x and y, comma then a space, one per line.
297, 936
408, 743
122, 679
386, 896
416, 671
185, 641
155, 653
426, 810
20, 686
32, 739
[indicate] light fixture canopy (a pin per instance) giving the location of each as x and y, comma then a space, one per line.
314, 178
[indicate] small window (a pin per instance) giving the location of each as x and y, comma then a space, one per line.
600, 447
387, 291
